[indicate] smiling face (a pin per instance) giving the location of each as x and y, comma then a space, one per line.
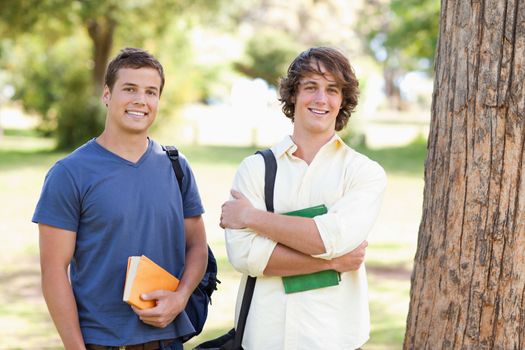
317, 103
133, 101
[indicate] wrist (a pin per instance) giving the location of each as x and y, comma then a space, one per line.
250, 218
331, 264
184, 293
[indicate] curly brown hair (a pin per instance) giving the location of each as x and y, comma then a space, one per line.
309, 62
130, 57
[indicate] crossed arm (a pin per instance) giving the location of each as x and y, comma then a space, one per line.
297, 239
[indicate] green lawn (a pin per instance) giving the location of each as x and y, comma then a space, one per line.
25, 159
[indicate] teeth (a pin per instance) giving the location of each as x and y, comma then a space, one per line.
138, 114
318, 111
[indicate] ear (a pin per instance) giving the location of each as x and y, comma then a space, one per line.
106, 95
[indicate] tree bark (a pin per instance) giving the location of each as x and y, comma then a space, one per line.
468, 282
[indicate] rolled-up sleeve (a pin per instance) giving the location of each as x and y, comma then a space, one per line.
350, 219
248, 252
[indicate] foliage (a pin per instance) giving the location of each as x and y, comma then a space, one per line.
268, 55
401, 35
65, 46
55, 83
401, 32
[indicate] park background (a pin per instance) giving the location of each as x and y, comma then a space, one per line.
222, 62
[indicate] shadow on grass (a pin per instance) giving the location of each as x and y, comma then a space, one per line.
407, 160
206, 335
13, 159
217, 154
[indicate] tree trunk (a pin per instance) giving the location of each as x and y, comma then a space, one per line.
468, 283
392, 89
101, 32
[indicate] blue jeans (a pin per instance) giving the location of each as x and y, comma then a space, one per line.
176, 345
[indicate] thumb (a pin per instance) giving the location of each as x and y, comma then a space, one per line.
237, 194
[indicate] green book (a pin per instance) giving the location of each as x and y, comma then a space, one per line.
300, 283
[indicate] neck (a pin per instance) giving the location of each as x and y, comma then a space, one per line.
308, 146
129, 147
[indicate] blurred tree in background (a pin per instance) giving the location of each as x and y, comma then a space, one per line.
279, 30
49, 42
268, 56
402, 36
55, 51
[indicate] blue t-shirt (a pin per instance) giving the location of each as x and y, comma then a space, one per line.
118, 209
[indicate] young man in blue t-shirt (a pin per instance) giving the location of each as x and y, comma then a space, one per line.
114, 197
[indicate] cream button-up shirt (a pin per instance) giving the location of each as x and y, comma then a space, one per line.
351, 186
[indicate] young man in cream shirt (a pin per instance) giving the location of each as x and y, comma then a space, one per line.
314, 166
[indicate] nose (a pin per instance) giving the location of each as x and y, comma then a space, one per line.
320, 96
140, 98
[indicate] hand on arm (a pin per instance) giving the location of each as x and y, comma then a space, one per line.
171, 304
287, 262
56, 250
300, 234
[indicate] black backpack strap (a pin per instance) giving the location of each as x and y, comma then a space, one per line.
173, 154
196, 308
270, 170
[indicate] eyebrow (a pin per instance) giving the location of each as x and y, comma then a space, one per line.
135, 85
311, 81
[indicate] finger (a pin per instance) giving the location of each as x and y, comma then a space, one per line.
155, 295
150, 314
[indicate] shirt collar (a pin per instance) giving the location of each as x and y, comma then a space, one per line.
286, 145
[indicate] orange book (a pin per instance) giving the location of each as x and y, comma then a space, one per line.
144, 276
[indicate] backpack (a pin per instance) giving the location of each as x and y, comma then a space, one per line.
197, 307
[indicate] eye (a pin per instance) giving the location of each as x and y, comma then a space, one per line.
129, 89
151, 93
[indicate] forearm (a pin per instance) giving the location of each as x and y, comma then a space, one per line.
196, 255
298, 233
285, 261
195, 266
62, 307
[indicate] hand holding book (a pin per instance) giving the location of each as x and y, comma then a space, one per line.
144, 276
321, 279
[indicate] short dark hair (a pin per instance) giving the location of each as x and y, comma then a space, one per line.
130, 57
308, 62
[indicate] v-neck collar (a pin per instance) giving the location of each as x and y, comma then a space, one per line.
115, 156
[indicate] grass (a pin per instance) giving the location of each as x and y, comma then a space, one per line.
406, 160
25, 159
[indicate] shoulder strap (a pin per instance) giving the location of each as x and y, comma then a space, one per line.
173, 154
270, 170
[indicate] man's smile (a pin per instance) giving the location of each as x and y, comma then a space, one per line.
318, 111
